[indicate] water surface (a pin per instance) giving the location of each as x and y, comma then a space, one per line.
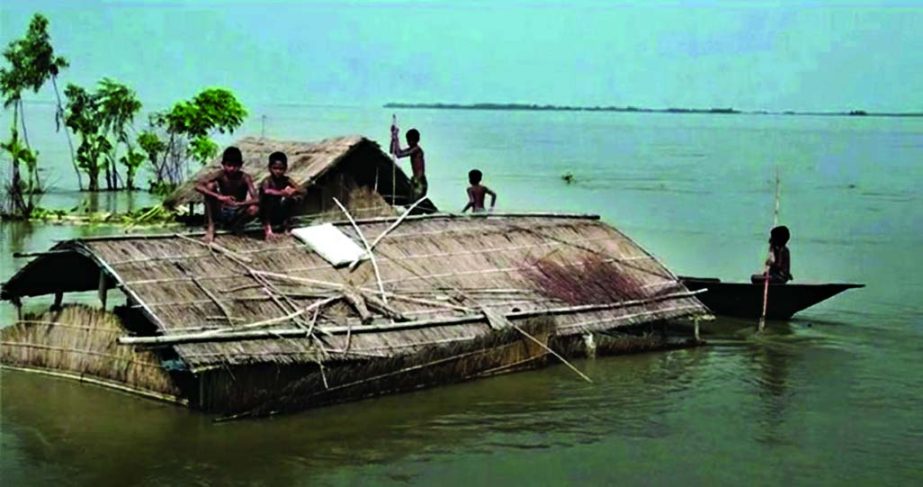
829, 398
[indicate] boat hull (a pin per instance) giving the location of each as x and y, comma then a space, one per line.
745, 300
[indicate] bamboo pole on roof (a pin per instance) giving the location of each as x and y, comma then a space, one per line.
368, 250
236, 333
394, 225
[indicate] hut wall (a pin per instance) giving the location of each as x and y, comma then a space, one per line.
263, 389
359, 198
80, 340
648, 337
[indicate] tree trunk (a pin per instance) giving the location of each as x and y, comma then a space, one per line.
70, 144
32, 185
108, 174
93, 176
15, 191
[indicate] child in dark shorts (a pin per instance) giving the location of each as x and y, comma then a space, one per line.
279, 195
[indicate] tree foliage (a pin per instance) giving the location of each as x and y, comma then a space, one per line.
187, 129
102, 120
32, 62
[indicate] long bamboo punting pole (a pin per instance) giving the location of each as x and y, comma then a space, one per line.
393, 160
775, 221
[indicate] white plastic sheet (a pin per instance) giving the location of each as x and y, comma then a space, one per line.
330, 243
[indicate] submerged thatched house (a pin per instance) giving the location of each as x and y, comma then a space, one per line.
335, 167
252, 327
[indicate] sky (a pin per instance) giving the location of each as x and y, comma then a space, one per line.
792, 55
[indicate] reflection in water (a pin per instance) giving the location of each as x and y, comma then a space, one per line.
15, 236
771, 360
164, 444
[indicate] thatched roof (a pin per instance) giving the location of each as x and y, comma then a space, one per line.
439, 273
308, 163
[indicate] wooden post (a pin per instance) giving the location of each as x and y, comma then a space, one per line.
18, 303
103, 288
58, 299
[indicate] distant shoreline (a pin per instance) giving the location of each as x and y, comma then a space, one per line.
631, 109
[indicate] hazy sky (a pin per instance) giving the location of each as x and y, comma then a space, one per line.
802, 55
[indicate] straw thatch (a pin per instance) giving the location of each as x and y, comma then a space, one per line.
326, 169
264, 324
82, 341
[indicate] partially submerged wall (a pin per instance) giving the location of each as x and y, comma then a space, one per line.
80, 341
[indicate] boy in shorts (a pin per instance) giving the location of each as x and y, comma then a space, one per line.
230, 196
278, 196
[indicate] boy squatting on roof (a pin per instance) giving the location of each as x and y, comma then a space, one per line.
279, 196
418, 184
477, 193
230, 197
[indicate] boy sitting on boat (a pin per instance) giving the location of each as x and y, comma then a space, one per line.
477, 193
778, 265
230, 197
278, 196
418, 185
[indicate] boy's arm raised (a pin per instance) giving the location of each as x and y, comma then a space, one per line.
398, 152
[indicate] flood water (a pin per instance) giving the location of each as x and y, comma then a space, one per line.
831, 397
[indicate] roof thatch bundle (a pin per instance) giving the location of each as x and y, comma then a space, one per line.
81, 342
331, 167
434, 279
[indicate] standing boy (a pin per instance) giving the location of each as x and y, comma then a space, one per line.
477, 193
278, 196
230, 197
418, 184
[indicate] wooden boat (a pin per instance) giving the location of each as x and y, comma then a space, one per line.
744, 299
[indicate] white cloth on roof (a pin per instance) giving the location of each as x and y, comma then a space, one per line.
330, 243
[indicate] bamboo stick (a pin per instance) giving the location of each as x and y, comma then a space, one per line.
368, 250
394, 225
273, 321
82, 249
226, 312
27, 255
214, 246
410, 257
176, 339
361, 221
775, 221
499, 322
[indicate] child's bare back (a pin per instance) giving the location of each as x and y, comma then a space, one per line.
477, 193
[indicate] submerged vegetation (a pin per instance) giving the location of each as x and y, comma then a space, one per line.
103, 119
32, 62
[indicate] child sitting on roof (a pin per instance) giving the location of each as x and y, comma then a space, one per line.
477, 193
278, 196
230, 197
418, 185
778, 265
